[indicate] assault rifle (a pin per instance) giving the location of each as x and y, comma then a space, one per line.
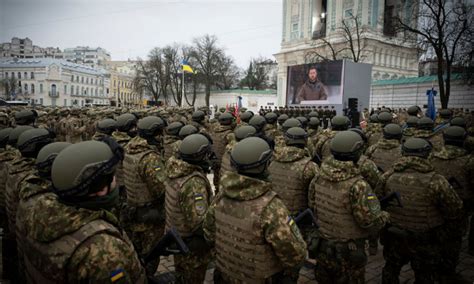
386, 201
306, 218
170, 243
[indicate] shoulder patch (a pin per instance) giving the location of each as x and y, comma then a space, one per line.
199, 204
116, 275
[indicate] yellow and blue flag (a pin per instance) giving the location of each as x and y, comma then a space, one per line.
186, 67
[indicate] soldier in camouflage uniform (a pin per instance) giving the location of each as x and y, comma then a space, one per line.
188, 194
424, 130
72, 237
104, 128
240, 133
245, 117
259, 123
61, 127
221, 139
348, 212
75, 127
429, 202
26, 117
4, 120
376, 132
199, 121
289, 123
313, 135
144, 176
254, 235
338, 123
171, 136
387, 150
457, 166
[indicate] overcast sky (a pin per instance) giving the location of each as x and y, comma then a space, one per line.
129, 28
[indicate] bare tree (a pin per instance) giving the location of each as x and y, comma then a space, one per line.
257, 74
228, 73
10, 86
447, 27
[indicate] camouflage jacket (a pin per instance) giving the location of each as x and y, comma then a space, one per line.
121, 137
288, 154
282, 235
369, 171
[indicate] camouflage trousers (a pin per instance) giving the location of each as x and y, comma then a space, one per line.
191, 268
340, 262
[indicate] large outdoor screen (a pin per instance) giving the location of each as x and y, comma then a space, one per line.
315, 84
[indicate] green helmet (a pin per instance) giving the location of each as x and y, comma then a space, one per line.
347, 146
244, 131
458, 121
195, 148
313, 114
413, 110
454, 135
46, 156
361, 134
340, 122
282, 118
25, 117
107, 126
258, 122
174, 128
416, 147
271, 117
392, 131
4, 133
445, 113
187, 130
31, 141
226, 118
289, 123
222, 109
198, 116
314, 123
251, 156
303, 120
16, 132
425, 123
385, 118
216, 115
246, 116
126, 122
85, 168
412, 121
150, 126
296, 136
374, 118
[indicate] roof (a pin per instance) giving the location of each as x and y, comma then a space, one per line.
246, 91
412, 80
45, 62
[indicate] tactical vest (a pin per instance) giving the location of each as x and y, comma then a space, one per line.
418, 213
287, 182
168, 146
225, 163
174, 216
454, 170
219, 143
138, 193
5, 159
326, 149
334, 210
242, 252
375, 137
47, 262
385, 158
119, 173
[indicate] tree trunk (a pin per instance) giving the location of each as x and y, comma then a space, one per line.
448, 84
208, 93
442, 94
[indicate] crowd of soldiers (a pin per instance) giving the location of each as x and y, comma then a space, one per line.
93, 195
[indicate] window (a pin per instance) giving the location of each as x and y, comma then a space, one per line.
25, 75
77, 90
13, 74
41, 88
348, 13
65, 102
41, 101
72, 90
19, 75
32, 88
65, 89
96, 91
82, 80
87, 80
6, 74
26, 88
72, 78
32, 75
87, 90
77, 79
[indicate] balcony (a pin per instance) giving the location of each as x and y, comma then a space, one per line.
53, 94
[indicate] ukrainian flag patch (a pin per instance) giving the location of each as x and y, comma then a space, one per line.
371, 197
116, 275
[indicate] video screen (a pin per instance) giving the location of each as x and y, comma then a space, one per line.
315, 84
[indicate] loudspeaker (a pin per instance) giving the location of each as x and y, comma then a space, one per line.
353, 103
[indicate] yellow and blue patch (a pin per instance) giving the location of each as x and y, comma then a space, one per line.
371, 196
117, 275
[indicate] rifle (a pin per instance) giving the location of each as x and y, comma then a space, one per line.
306, 218
386, 200
170, 243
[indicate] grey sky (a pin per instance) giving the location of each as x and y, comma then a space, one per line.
128, 28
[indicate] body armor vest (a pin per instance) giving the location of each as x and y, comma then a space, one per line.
174, 216
418, 213
220, 142
138, 194
454, 170
5, 159
168, 151
119, 172
385, 158
47, 262
287, 182
334, 210
242, 252
374, 137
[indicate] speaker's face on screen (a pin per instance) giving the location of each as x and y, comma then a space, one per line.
312, 74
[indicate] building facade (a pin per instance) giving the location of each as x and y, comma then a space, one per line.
24, 48
122, 93
54, 82
312, 26
90, 56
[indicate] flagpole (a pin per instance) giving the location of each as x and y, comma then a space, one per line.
182, 91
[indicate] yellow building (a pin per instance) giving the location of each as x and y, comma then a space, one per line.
121, 84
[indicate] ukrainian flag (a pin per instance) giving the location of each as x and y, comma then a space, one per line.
186, 67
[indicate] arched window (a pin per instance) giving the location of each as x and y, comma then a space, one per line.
72, 90
19, 75
32, 88
41, 88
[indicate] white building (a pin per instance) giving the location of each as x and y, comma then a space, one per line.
91, 56
24, 48
55, 82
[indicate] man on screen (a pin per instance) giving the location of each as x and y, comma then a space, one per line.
313, 89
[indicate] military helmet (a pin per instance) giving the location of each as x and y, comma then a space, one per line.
385, 117
174, 128
313, 114
46, 156
126, 121
31, 141
374, 118
25, 117
198, 116
385, 110
271, 117
314, 123
425, 123
416, 147
187, 130
85, 168
458, 121
16, 132
222, 109
454, 135
296, 136
107, 126
246, 116
412, 121
4, 133
303, 120
413, 110
216, 115
347, 146
194, 148
392, 131
258, 122
282, 118
244, 131
445, 113
251, 156
226, 118
289, 123
361, 134
340, 122
150, 126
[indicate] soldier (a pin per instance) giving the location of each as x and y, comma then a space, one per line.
376, 133
26, 117
75, 127
429, 202
442, 121
348, 212
126, 129
171, 136
387, 150
259, 123
457, 166
188, 194
338, 123
254, 235
199, 121
221, 139
313, 135
240, 133
104, 128
271, 127
424, 129
303, 120
409, 128
143, 215
325, 116
72, 237
4, 120
61, 129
